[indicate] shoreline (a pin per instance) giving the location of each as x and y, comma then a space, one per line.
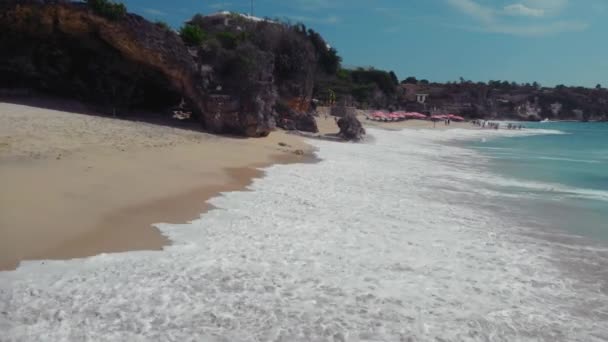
308, 234
77, 185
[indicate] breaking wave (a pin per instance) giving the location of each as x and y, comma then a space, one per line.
383, 241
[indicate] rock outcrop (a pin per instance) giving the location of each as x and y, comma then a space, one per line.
290, 120
264, 61
67, 49
351, 128
230, 84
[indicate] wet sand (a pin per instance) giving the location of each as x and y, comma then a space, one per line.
76, 185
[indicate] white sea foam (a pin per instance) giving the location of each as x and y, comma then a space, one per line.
378, 242
587, 161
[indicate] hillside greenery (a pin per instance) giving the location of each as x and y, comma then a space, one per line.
107, 8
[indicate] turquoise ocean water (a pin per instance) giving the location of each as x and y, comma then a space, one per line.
559, 180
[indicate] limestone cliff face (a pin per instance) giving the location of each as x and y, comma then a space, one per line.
69, 50
273, 64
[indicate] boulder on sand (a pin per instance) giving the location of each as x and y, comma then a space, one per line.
351, 128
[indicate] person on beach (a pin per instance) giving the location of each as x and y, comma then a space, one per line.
313, 105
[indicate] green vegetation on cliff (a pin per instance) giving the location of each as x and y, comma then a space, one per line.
192, 35
107, 8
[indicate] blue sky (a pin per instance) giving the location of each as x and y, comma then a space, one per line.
549, 41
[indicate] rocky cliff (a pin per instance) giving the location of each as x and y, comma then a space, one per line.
231, 82
508, 100
67, 49
252, 55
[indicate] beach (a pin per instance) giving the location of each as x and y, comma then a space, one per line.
408, 236
413, 124
75, 185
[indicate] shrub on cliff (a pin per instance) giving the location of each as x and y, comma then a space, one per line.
163, 25
230, 40
108, 8
328, 58
381, 78
192, 35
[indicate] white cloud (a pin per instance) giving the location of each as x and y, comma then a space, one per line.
220, 5
523, 10
547, 5
153, 11
474, 9
534, 13
539, 29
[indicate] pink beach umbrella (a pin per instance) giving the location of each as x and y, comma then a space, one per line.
395, 116
438, 117
380, 115
455, 117
417, 115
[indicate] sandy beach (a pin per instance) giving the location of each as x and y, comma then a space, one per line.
413, 124
76, 185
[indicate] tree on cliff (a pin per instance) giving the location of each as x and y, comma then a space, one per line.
410, 80
394, 78
109, 9
192, 35
328, 59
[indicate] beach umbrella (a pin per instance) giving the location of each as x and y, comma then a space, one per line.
396, 116
380, 115
417, 115
438, 117
455, 117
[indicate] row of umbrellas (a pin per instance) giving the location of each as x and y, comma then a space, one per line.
397, 116
452, 117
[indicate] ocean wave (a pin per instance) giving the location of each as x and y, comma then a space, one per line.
587, 161
490, 179
558, 190
462, 135
383, 241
